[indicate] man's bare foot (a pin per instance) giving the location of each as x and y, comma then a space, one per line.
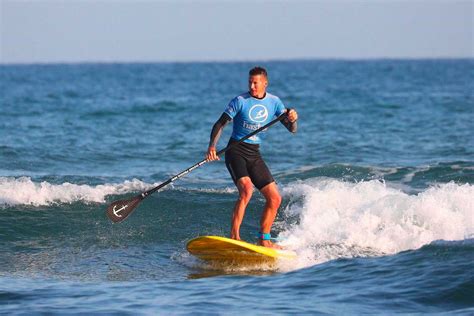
233, 236
269, 244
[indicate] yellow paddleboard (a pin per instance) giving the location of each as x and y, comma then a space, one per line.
215, 248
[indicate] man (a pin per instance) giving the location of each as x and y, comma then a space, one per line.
250, 111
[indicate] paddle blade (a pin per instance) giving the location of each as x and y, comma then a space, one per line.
119, 210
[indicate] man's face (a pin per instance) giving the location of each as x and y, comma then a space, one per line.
257, 85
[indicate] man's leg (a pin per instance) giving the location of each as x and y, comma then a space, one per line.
245, 187
273, 201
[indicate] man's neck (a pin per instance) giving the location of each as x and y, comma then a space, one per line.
260, 97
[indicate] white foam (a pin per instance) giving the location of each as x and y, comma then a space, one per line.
15, 191
24, 191
336, 219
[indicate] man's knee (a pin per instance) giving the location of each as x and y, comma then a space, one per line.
272, 195
274, 199
245, 189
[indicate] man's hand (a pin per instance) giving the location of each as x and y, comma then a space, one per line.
292, 115
211, 154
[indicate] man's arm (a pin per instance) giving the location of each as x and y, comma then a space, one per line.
290, 120
215, 135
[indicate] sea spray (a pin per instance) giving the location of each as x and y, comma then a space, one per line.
334, 219
24, 191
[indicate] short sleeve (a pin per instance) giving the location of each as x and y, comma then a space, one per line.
279, 107
233, 108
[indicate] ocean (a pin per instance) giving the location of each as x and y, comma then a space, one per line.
377, 187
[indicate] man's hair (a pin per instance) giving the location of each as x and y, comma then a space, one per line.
258, 71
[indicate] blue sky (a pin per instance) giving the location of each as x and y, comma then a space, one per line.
108, 31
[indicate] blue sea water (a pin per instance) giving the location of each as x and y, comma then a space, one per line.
377, 186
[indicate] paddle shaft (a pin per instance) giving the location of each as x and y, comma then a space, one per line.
184, 172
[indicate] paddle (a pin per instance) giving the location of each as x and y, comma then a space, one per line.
119, 210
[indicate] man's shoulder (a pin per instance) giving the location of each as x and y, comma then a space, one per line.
243, 96
240, 98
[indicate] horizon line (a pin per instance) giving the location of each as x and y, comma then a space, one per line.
224, 61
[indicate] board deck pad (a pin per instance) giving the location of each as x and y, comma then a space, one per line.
216, 248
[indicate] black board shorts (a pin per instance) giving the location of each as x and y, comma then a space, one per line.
244, 160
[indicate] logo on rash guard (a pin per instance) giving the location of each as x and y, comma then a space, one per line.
258, 113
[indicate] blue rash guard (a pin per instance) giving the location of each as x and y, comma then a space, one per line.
249, 114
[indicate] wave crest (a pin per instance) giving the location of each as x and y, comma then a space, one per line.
18, 191
370, 217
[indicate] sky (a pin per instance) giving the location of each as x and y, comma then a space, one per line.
181, 30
